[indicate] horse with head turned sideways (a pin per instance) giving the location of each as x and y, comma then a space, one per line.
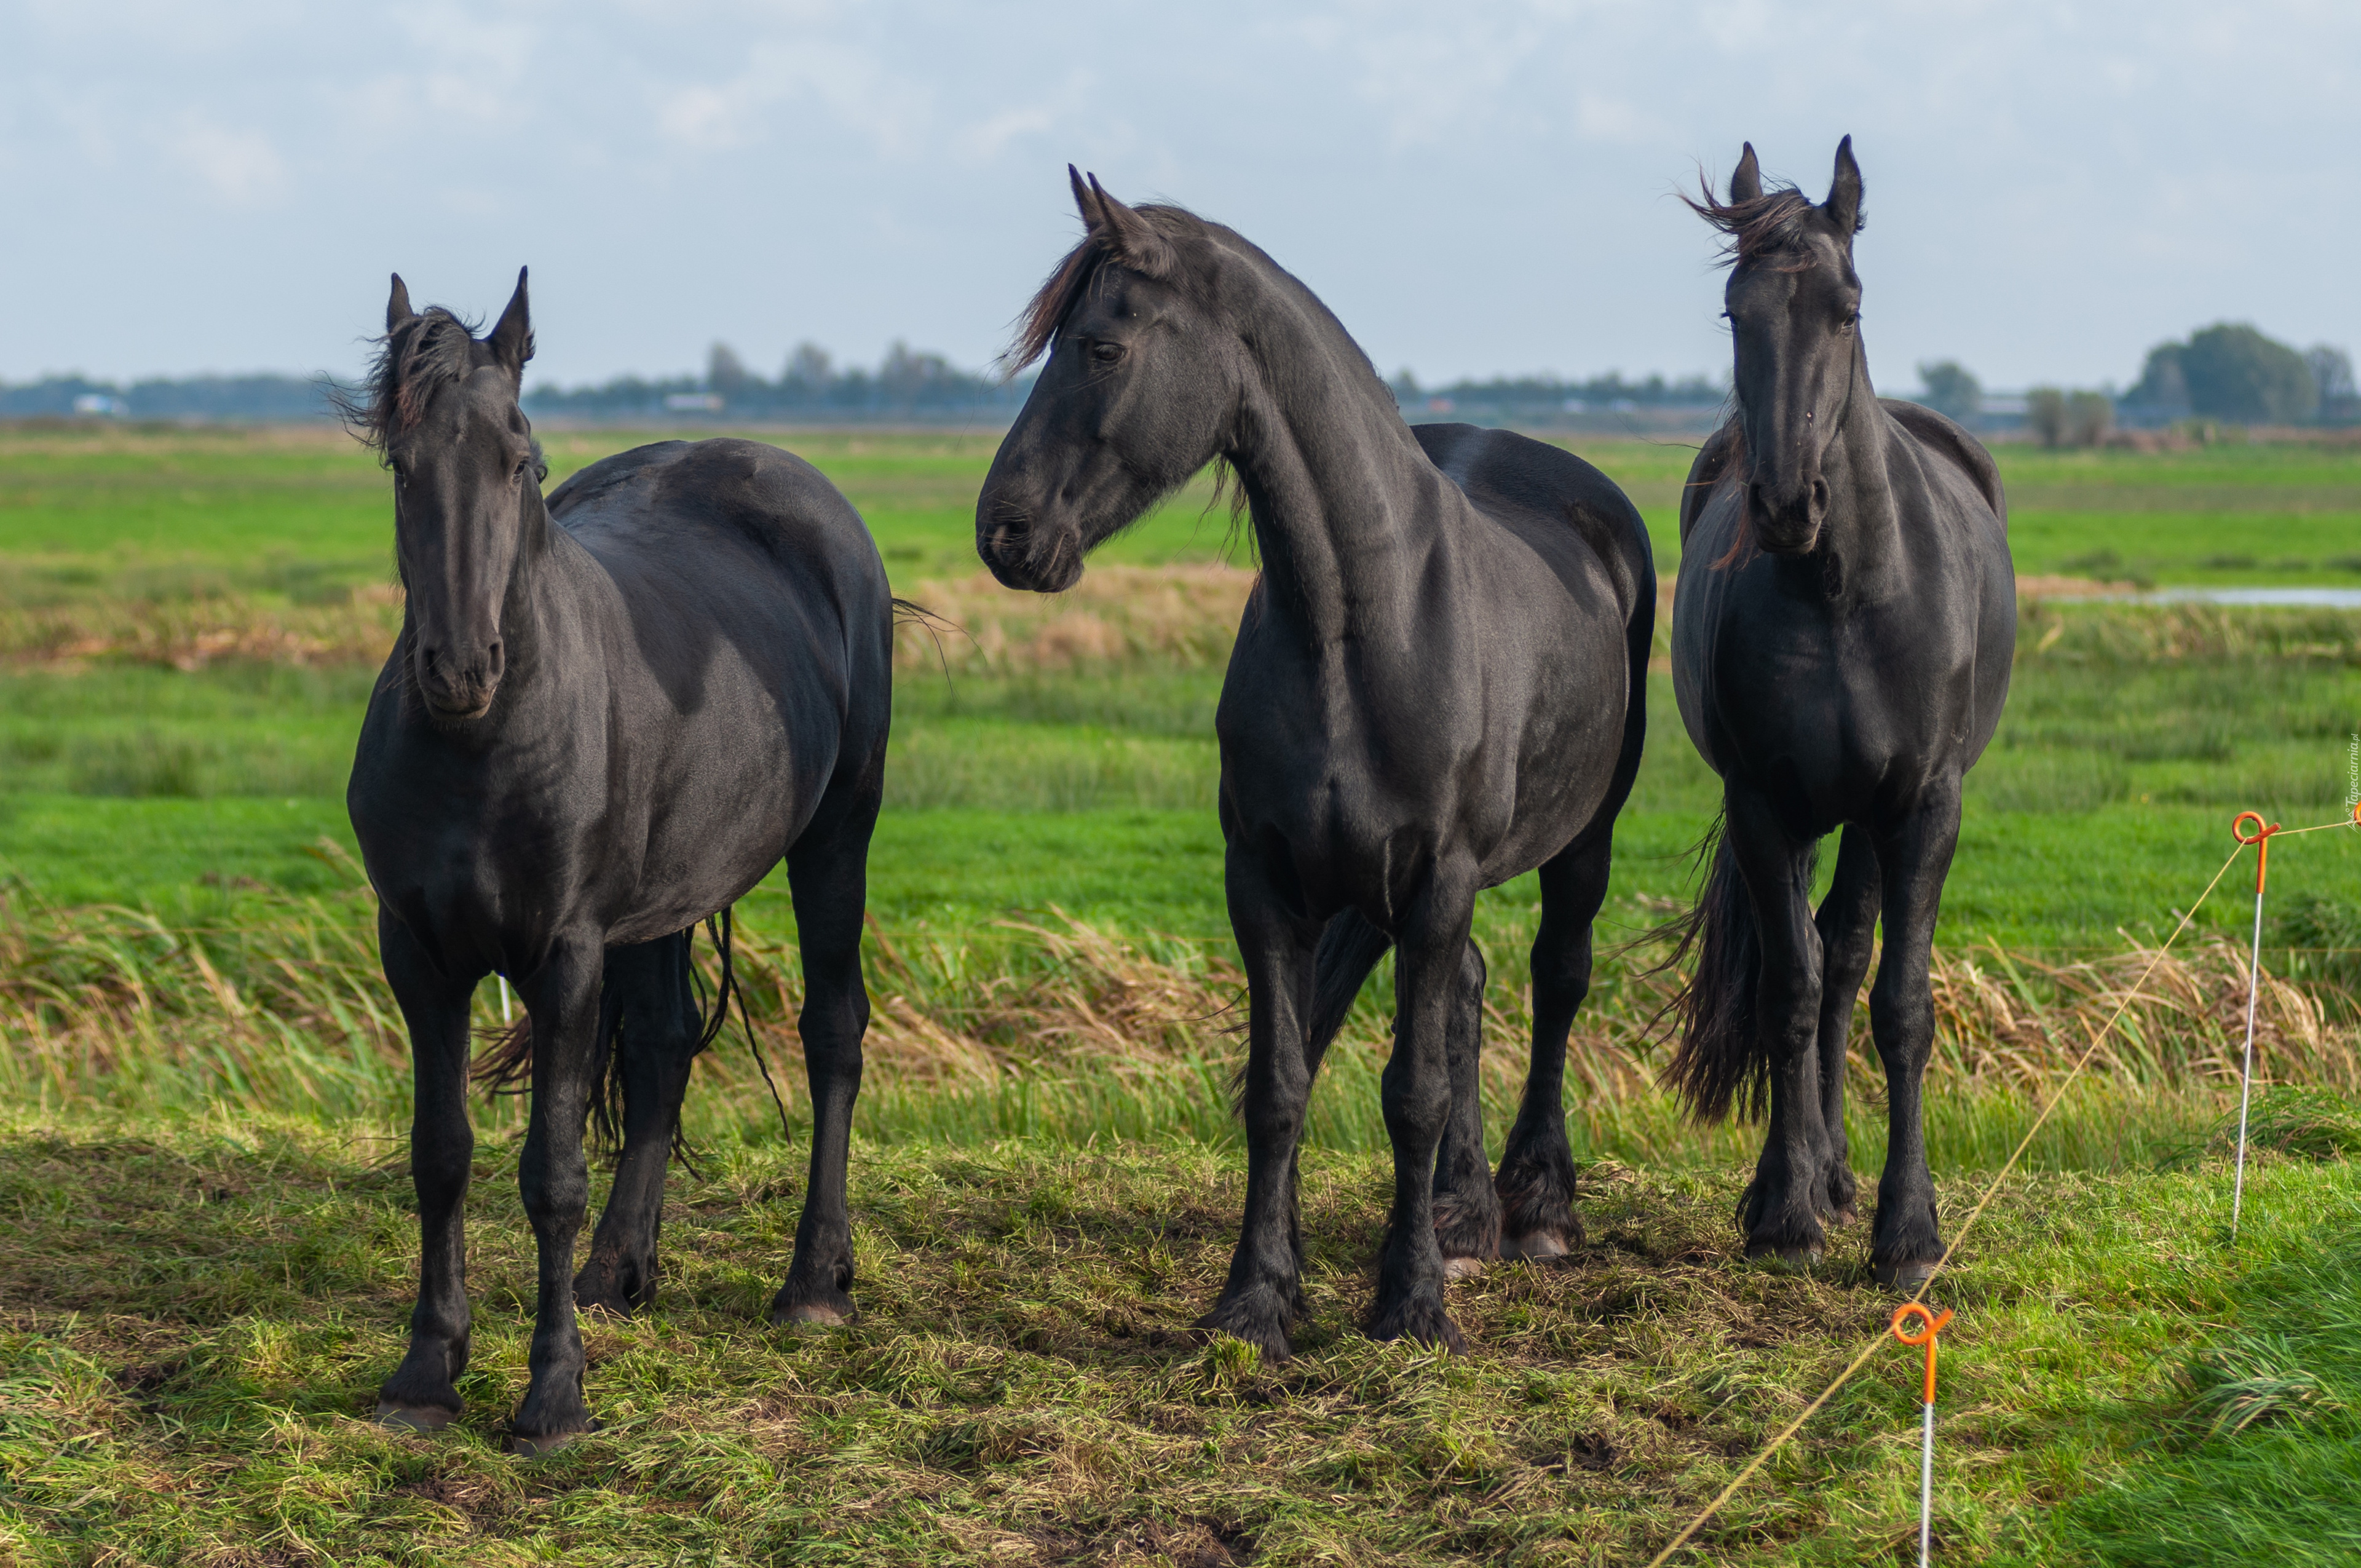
607, 715
1842, 633
1439, 684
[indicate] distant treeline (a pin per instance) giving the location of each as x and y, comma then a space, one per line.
271, 400
1545, 399
904, 386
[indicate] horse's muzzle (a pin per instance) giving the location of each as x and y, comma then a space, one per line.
1021, 557
459, 689
1788, 525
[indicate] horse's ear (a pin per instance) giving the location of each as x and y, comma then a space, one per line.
1128, 237
511, 338
1746, 180
397, 308
1084, 202
1843, 205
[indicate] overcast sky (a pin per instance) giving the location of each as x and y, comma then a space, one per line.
1474, 188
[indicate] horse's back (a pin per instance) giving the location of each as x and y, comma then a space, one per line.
1542, 492
1940, 436
763, 494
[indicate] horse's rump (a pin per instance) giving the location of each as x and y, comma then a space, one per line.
1538, 491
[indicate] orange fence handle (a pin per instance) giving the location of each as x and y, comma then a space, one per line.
1925, 1336
2261, 839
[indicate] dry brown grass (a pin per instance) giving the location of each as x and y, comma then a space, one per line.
1183, 615
287, 1009
1116, 617
189, 635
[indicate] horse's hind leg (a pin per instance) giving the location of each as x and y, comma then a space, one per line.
1537, 1174
1467, 1210
423, 1391
1905, 1243
1847, 924
828, 870
650, 989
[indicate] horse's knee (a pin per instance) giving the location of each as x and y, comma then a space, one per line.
1417, 1103
441, 1161
555, 1191
1902, 1021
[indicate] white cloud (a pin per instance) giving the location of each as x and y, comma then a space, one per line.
241, 168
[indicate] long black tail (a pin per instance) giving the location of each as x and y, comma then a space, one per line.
1350, 948
505, 1064
1720, 1062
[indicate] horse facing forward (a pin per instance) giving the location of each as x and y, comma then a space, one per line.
1439, 684
1843, 632
606, 718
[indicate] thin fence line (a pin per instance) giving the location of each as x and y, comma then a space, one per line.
1877, 1340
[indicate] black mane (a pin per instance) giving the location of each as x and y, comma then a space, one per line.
1072, 276
1770, 226
432, 348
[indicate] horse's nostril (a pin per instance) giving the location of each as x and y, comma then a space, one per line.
1820, 497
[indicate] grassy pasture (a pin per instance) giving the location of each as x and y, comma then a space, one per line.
207, 1092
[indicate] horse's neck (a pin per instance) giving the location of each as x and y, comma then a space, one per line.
1332, 479
1864, 529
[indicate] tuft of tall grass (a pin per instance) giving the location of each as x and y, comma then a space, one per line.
1060, 1029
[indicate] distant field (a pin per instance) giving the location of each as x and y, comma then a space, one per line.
297, 513
1085, 782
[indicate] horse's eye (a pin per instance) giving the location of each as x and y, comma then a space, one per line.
1106, 352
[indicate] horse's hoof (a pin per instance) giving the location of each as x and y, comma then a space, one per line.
1538, 1246
1845, 1216
1905, 1275
1462, 1267
413, 1418
1785, 1259
1420, 1320
526, 1445
810, 1315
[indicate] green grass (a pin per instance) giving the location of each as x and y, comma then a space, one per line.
2102, 807
211, 1237
197, 1312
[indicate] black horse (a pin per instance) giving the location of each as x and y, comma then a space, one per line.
1439, 684
1841, 639
606, 718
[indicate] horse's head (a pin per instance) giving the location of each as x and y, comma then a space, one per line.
1136, 395
442, 409
1793, 302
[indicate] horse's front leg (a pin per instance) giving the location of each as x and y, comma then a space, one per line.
1429, 972
423, 1392
1781, 1209
1904, 1243
1264, 1292
562, 995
